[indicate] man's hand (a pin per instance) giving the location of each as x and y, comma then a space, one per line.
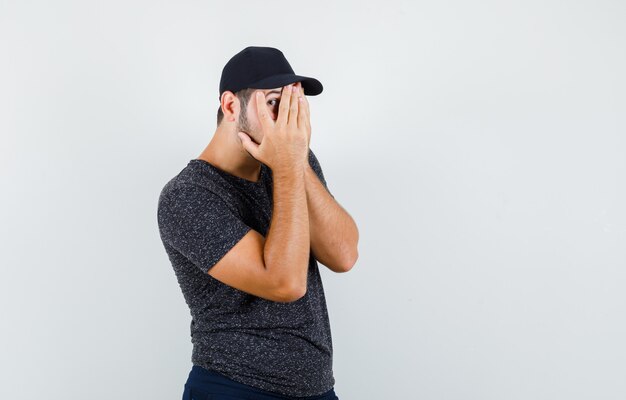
285, 143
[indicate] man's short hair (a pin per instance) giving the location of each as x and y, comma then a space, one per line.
244, 96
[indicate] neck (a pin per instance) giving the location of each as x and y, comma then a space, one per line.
226, 152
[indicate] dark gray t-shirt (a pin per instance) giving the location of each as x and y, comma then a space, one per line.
284, 348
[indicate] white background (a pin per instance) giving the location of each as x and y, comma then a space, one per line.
479, 146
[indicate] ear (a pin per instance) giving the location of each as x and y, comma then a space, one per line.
230, 105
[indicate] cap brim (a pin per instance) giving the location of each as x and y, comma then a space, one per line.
311, 86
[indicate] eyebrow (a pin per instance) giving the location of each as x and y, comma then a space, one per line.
277, 91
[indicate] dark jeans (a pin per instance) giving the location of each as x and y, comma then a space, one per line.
203, 384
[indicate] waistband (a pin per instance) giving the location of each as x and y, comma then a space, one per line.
210, 381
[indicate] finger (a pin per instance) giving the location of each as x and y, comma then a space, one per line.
261, 110
302, 111
248, 144
293, 107
305, 109
283, 108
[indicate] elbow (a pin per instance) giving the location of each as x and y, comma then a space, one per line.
351, 253
297, 294
293, 294
290, 292
349, 261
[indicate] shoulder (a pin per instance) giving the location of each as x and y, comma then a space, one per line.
191, 184
181, 194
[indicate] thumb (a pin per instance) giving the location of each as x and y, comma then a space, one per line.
248, 144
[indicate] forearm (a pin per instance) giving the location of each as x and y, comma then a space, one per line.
287, 246
334, 234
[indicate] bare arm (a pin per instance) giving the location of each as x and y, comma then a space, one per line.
287, 246
334, 234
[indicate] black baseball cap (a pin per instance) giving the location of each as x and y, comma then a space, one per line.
263, 68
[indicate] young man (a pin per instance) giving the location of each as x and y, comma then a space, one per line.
244, 225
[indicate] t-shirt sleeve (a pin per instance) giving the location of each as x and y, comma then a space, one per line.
198, 224
315, 165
